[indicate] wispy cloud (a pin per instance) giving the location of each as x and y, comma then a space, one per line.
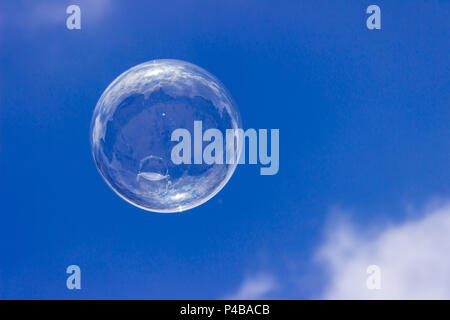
257, 287
414, 259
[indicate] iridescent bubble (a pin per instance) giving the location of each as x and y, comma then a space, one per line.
131, 134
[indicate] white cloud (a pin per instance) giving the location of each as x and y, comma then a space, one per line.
414, 259
254, 288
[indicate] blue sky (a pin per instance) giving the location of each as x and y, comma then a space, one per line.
364, 134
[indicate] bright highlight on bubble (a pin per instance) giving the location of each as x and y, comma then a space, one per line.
131, 134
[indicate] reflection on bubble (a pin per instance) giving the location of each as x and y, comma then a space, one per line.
131, 134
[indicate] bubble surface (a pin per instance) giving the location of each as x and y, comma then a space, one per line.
131, 132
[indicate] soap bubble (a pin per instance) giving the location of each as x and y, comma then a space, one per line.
131, 132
